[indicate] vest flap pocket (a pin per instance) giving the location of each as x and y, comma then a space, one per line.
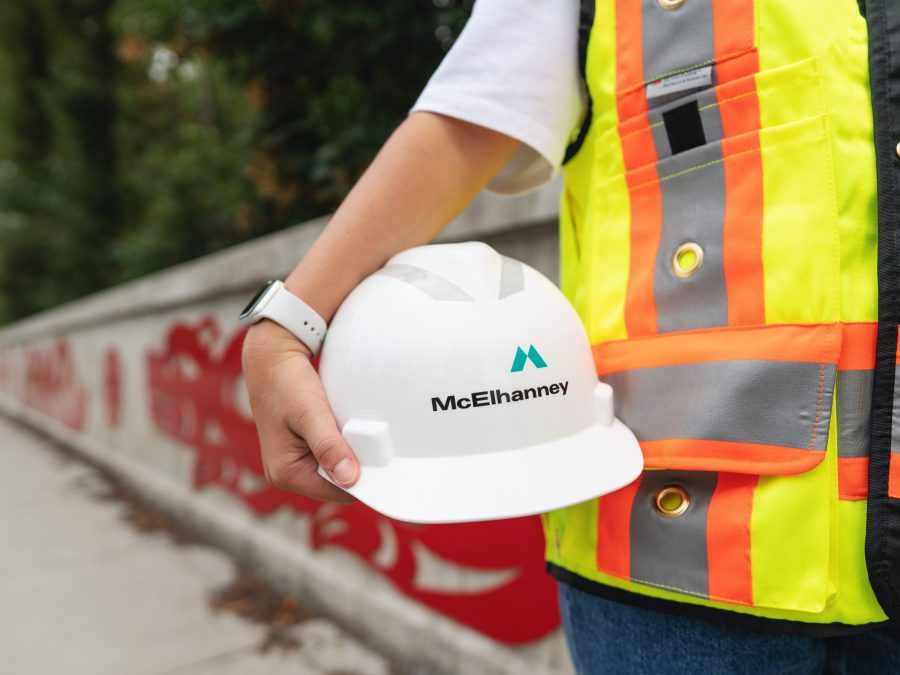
755, 400
734, 428
789, 94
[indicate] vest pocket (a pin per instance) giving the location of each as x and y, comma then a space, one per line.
741, 539
756, 215
787, 94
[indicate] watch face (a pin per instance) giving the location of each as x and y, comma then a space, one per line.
248, 310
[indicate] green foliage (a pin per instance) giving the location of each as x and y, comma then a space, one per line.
135, 134
58, 196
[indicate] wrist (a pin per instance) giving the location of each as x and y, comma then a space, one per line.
268, 337
275, 302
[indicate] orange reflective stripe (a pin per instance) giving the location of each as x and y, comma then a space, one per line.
614, 530
818, 343
638, 151
897, 355
646, 227
854, 382
738, 66
629, 59
733, 37
728, 538
853, 477
739, 110
858, 348
708, 455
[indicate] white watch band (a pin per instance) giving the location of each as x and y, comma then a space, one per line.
286, 309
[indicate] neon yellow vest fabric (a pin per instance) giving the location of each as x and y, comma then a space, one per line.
719, 240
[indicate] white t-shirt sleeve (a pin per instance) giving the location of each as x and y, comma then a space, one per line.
514, 69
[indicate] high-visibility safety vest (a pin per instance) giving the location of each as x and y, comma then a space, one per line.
729, 235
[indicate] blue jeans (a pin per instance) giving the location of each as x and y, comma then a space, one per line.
609, 637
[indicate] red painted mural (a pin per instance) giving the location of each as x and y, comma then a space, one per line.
196, 396
52, 385
112, 387
5, 371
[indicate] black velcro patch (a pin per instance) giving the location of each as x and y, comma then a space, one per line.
684, 127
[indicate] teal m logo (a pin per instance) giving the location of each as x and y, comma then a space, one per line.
521, 357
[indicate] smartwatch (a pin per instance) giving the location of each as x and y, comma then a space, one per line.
273, 301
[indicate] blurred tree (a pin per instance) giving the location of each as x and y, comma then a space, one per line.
58, 195
141, 133
328, 81
24, 143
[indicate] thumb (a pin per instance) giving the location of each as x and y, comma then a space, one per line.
317, 427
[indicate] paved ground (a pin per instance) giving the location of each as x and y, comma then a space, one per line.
94, 583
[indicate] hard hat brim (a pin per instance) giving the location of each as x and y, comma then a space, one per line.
506, 484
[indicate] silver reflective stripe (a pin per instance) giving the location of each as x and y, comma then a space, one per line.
428, 282
764, 402
693, 210
710, 118
671, 552
512, 276
660, 137
676, 40
854, 401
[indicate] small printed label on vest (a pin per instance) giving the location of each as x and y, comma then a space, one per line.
692, 79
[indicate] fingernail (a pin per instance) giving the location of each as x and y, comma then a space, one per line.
344, 472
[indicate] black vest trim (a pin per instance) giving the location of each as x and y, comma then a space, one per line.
883, 517
585, 25
719, 616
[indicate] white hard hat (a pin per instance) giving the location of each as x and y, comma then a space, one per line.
464, 382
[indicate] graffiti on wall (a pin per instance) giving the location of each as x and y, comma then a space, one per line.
496, 568
52, 385
112, 387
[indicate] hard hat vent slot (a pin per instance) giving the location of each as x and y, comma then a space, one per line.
433, 285
512, 277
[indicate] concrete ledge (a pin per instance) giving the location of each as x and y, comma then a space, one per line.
245, 267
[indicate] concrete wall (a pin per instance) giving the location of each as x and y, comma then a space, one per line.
145, 379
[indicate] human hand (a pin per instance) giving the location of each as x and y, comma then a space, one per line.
297, 430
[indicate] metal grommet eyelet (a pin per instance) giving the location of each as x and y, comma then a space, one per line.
897, 149
670, 4
687, 259
671, 501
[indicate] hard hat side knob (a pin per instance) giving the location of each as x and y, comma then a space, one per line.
603, 400
370, 440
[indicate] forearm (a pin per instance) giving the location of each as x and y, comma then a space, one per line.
425, 175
